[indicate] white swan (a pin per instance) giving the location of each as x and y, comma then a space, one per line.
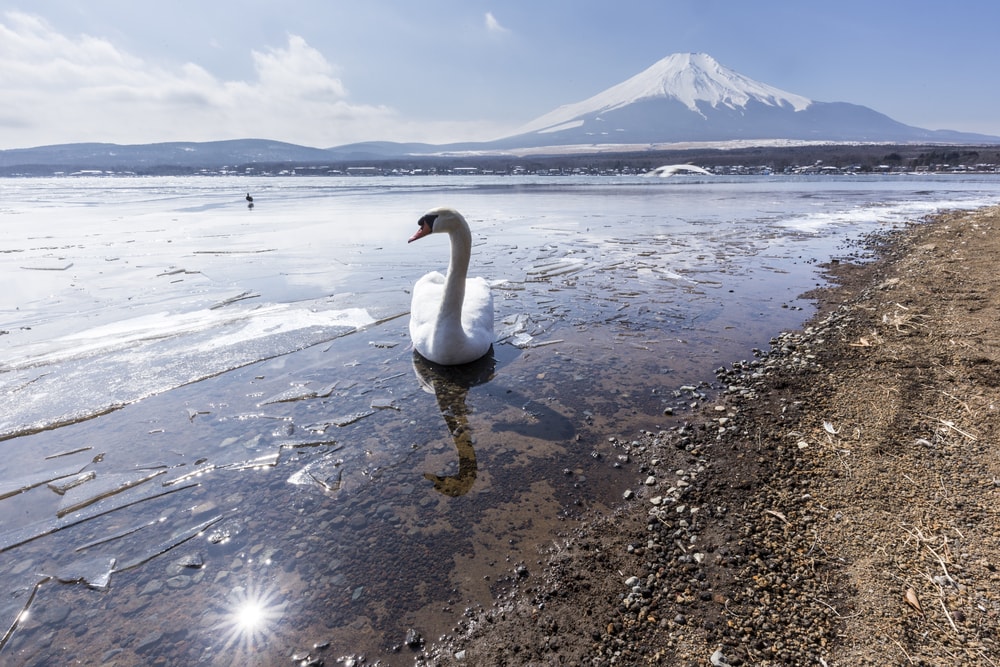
451, 317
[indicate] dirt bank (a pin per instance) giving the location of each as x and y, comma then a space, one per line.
837, 505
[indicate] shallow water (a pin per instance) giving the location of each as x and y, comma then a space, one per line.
218, 446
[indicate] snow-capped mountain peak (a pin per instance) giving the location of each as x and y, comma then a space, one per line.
697, 77
689, 78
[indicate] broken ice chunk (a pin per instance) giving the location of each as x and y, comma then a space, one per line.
106, 505
61, 487
106, 485
68, 452
95, 572
16, 486
521, 340
14, 608
300, 393
168, 544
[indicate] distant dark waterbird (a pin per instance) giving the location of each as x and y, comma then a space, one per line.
249, 198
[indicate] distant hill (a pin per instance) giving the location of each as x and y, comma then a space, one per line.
141, 157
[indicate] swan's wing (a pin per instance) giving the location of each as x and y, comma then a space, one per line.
477, 311
424, 307
446, 341
432, 280
426, 299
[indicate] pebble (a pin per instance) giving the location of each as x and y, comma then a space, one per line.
718, 659
152, 587
414, 640
23, 566
669, 551
149, 641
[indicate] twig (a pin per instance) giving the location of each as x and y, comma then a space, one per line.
725, 605
986, 657
959, 401
904, 651
951, 425
945, 609
939, 560
834, 610
779, 515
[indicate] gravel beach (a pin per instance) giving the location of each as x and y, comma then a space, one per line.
834, 502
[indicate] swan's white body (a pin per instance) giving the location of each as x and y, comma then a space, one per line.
451, 317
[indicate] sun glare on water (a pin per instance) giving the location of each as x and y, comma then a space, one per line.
250, 618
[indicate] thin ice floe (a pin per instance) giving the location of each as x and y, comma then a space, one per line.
35, 530
14, 608
117, 364
166, 545
227, 328
95, 572
99, 487
15, 486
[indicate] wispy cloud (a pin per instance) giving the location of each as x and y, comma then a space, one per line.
493, 25
60, 89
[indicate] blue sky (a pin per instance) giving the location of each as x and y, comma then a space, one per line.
330, 72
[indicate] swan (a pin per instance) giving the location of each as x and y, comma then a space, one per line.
451, 317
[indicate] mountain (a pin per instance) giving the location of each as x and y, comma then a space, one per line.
683, 99
683, 87
690, 97
186, 154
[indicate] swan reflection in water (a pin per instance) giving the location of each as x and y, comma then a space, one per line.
450, 385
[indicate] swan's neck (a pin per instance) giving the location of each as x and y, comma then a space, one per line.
458, 270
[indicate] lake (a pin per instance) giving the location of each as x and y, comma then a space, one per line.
218, 446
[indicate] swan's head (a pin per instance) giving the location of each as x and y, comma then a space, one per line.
438, 220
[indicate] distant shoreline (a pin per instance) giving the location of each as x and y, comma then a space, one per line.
854, 158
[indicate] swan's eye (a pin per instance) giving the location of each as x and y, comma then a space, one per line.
427, 220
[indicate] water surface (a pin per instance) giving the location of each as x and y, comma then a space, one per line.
219, 448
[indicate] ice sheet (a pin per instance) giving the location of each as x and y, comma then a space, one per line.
160, 282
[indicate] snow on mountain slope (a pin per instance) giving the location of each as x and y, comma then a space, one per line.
689, 78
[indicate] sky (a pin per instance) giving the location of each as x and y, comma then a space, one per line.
325, 73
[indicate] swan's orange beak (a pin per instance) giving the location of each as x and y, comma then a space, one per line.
424, 230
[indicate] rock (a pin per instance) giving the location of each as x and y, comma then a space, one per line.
718, 659
152, 588
148, 642
414, 640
